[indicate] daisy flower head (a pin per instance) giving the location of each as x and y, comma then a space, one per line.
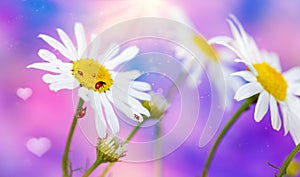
95, 77
277, 91
217, 65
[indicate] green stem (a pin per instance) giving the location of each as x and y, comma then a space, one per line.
133, 132
65, 160
130, 136
233, 119
288, 161
106, 170
158, 151
93, 167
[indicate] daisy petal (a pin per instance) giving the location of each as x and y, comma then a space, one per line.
247, 75
247, 91
142, 86
95, 44
228, 45
81, 41
195, 77
111, 117
112, 50
293, 104
124, 108
286, 117
127, 55
237, 29
63, 84
139, 95
271, 58
56, 45
294, 131
84, 93
293, 74
262, 106
68, 43
276, 122
52, 67
223, 39
99, 116
125, 76
242, 38
136, 105
48, 56
296, 89
50, 78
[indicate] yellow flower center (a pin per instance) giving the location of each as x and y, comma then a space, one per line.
92, 75
206, 48
271, 80
293, 168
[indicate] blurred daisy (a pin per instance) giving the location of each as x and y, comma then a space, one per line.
94, 74
215, 63
265, 79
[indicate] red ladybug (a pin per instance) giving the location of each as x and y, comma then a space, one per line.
136, 117
99, 84
81, 113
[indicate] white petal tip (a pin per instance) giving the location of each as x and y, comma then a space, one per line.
141, 119
256, 119
135, 48
276, 128
78, 23
101, 135
115, 131
237, 98
41, 35
148, 114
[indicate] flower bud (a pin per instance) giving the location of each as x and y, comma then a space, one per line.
110, 149
157, 106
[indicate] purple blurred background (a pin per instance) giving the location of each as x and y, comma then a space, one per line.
248, 146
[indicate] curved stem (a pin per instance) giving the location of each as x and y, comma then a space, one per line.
288, 161
130, 136
65, 160
233, 119
133, 132
106, 170
92, 168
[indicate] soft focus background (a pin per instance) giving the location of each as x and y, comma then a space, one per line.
248, 146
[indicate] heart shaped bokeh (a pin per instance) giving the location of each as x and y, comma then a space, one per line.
24, 93
38, 146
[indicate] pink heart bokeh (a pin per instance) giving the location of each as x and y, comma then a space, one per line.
24, 93
38, 146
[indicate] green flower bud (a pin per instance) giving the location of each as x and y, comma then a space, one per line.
157, 106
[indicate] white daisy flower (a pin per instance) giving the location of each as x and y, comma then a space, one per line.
98, 83
274, 88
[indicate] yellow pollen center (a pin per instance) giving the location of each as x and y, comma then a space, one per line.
271, 80
206, 48
92, 75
